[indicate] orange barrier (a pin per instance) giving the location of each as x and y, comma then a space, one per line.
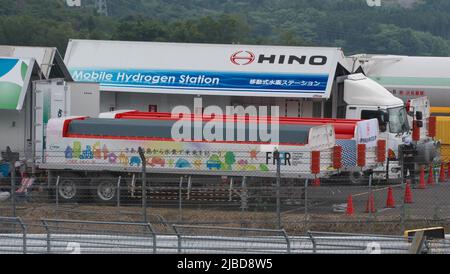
408, 194
422, 178
350, 209
390, 203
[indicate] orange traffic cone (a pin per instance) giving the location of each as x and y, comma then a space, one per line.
422, 178
370, 207
350, 209
442, 174
408, 194
390, 203
431, 176
316, 182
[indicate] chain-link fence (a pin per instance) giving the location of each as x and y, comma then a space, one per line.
356, 201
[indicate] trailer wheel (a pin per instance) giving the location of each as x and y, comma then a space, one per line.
105, 192
356, 177
68, 191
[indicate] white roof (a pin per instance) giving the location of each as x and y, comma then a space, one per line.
48, 59
210, 69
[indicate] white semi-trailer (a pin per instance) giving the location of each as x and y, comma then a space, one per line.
301, 81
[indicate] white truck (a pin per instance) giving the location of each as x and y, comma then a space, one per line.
301, 81
420, 82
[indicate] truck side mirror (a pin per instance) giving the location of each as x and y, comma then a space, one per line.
419, 115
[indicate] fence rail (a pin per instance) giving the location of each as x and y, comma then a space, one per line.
93, 237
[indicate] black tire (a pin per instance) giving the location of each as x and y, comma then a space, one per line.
69, 190
104, 191
356, 178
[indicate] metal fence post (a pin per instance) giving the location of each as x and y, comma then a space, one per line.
144, 183
118, 192
24, 235
313, 241
47, 231
178, 239
369, 208
306, 205
277, 158
57, 196
13, 188
180, 197
402, 174
244, 199
288, 241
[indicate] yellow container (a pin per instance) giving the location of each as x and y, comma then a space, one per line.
443, 134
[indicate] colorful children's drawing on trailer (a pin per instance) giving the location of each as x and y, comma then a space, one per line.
97, 151
135, 161
87, 154
167, 155
76, 149
68, 153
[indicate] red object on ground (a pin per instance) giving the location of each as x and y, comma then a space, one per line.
422, 178
442, 174
350, 209
390, 203
408, 194
316, 182
370, 206
430, 176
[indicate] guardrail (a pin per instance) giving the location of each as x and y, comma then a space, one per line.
99, 237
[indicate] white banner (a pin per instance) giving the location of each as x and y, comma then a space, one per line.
367, 132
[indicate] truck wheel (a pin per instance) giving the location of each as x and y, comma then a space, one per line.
68, 191
105, 192
356, 177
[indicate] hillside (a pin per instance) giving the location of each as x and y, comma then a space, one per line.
413, 27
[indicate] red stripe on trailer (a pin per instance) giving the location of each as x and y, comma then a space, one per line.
432, 126
67, 123
381, 151
343, 128
315, 162
337, 157
361, 155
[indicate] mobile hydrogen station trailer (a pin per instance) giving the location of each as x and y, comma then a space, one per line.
301, 81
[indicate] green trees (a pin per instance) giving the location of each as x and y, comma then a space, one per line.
423, 29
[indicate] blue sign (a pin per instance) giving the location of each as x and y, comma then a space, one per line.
205, 80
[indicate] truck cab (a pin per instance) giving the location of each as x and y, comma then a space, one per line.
362, 98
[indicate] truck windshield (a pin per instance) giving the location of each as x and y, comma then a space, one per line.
398, 120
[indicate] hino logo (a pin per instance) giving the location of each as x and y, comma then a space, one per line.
248, 57
242, 58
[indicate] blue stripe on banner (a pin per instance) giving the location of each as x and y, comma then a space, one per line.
348, 152
207, 80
